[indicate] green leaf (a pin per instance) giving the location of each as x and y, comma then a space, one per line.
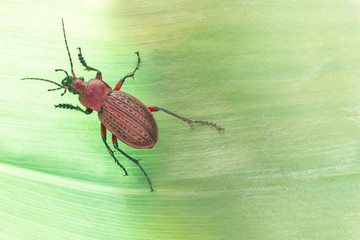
280, 76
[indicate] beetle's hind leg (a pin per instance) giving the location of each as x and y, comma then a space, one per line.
190, 122
88, 68
116, 146
103, 135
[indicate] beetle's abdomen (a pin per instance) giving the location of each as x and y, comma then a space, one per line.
129, 120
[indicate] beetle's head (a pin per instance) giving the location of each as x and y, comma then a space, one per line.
74, 85
66, 83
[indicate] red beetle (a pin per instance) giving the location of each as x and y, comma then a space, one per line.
127, 118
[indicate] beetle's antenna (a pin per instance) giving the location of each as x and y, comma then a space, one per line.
45, 80
67, 48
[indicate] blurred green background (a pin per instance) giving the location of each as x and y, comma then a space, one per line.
282, 77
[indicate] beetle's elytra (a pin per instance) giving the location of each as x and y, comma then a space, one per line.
126, 117
129, 119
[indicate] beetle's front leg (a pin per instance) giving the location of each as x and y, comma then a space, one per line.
71, 107
88, 68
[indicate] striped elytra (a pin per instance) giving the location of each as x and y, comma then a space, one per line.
129, 120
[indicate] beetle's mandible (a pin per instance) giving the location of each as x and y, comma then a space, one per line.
126, 117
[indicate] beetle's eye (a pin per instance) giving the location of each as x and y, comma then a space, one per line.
82, 78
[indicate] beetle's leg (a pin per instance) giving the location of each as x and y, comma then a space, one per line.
82, 60
116, 146
120, 83
190, 122
98, 75
71, 107
88, 68
103, 135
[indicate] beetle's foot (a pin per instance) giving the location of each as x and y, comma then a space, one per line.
87, 68
190, 122
118, 163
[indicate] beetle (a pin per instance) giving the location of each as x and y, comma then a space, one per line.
126, 117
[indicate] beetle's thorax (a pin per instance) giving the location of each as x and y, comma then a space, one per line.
94, 93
